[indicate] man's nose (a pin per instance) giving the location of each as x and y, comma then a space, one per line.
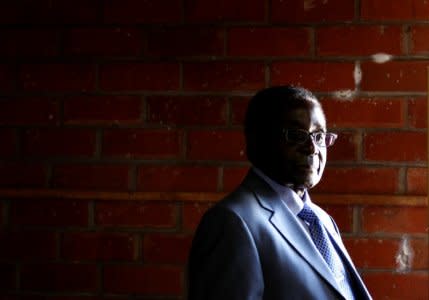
310, 145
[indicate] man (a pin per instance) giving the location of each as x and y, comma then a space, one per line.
267, 240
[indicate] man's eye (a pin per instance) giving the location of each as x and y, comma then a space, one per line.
298, 135
319, 136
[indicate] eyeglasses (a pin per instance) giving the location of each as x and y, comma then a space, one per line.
300, 136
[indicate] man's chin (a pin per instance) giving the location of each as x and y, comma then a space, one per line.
307, 182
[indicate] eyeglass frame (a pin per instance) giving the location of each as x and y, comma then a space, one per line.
334, 136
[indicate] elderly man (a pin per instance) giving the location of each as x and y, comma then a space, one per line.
267, 239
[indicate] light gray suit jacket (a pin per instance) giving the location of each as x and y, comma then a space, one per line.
250, 246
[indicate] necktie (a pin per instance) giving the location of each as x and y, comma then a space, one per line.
326, 248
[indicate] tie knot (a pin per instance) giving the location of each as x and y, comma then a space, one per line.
307, 214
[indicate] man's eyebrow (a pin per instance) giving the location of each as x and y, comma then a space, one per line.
320, 128
294, 123
297, 124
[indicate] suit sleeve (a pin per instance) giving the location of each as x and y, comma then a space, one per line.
224, 262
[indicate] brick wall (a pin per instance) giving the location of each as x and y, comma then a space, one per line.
120, 124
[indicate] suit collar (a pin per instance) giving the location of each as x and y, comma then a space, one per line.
286, 193
289, 227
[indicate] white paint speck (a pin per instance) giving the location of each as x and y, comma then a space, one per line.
381, 58
404, 256
309, 4
345, 94
357, 73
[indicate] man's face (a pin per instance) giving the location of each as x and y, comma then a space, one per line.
301, 164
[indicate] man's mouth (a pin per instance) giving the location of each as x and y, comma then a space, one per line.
312, 163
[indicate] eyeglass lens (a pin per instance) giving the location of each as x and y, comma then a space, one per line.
320, 138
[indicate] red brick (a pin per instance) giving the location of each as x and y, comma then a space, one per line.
18, 174
29, 42
190, 110
134, 214
359, 180
316, 76
186, 41
9, 142
345, 147
59, 277
103, 41
136, 11
10, 296
224, 10
82, 298
358, 40
421, 256
105, 246
394, 219
17, 245
8, 76
243, 41
233, 176
397, 286
343, 216
417, 181
49, 212
394, 76
13, 296
102, 109
62, 297
147, 280
290, 11
238, 109
7, 276
180, 178
417, 112
103, 177
216, 145
419, 41
395, 146
397, 10
150, 143
29, 111
48, 12
58, 142
139, 76
378, 253
373, 253
192, 213
57, 77
224, 76
157, 248
367, 112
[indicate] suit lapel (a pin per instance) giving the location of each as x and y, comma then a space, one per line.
338, 244
288, 227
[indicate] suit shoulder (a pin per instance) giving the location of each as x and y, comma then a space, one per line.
239, 201
242, 206
227, 218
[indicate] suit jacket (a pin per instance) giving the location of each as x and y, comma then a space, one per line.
250, 246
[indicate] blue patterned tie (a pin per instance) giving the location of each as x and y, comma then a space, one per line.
326, 248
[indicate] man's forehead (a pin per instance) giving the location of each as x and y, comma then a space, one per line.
306, 116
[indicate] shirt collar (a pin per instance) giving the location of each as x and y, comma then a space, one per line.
288, 195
